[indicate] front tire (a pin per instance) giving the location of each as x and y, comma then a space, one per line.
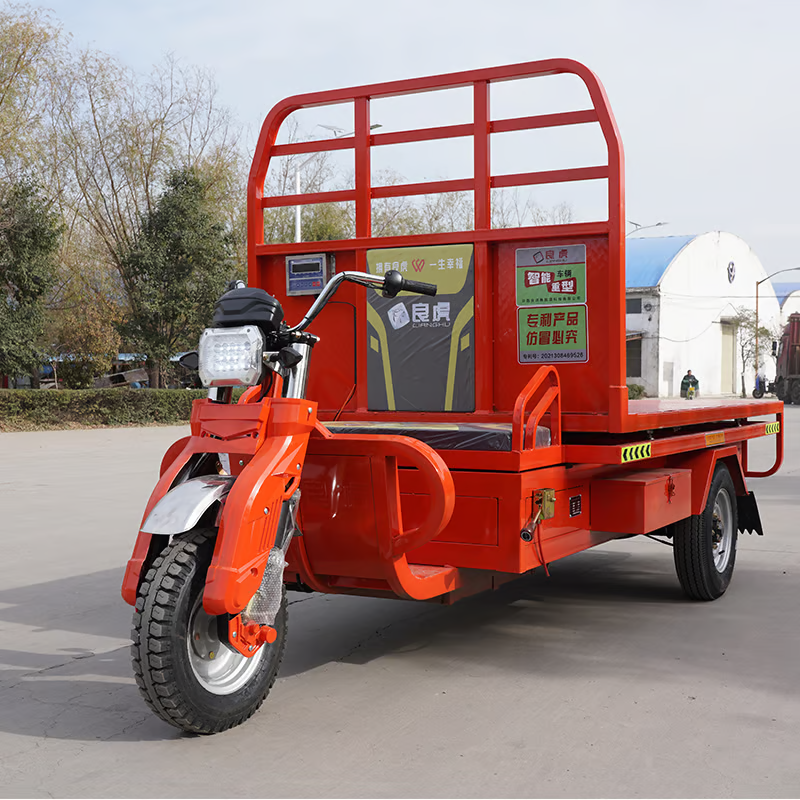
705, 544
186, 674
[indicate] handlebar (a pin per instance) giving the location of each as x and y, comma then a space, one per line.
419, 288
390, 284
394, 283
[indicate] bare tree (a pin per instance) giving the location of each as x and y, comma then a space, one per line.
31, 46
512, 208
745, 320
117, 137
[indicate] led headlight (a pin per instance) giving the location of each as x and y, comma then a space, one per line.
231, 356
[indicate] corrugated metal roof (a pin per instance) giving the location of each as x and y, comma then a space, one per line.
784, 289
646, 260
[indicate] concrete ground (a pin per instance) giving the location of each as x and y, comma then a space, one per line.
598, 681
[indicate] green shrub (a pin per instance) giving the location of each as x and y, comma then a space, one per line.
635, 391
28, 409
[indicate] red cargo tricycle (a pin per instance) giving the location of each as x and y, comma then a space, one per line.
466, 419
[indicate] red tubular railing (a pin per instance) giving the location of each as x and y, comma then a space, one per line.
523, 432
480, 184
778, 454
480, 130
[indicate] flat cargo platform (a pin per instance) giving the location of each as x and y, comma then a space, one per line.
667, 412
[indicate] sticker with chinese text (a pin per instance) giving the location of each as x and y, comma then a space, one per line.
552, 335
431, 314
551, 275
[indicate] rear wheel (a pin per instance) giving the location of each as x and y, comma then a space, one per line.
705, 544
187, 675
795, 393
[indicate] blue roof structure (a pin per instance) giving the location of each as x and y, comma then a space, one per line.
647, 259
784, 289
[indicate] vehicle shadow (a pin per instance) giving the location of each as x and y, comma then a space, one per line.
599, 613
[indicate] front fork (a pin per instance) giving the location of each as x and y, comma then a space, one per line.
254, 626
275, 471
269, 438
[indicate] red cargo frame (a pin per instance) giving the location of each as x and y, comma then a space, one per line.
600, 384
594, 428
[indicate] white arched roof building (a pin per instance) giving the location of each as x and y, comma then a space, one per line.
683, 293
789, 298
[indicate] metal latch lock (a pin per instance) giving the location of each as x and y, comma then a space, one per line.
544, 507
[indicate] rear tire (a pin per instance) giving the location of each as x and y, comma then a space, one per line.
705, 544
185, 673
795, 392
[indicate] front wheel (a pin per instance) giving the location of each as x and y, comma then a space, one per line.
705, 544
185, 672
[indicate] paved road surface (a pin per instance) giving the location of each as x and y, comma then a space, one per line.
599, 681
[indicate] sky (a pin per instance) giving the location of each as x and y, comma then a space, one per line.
705, 93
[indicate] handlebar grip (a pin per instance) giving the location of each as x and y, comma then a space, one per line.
419, 288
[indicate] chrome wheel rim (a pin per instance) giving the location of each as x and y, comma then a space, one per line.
218, 669
722, 530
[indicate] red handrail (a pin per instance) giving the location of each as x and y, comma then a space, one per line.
522, 433
778, 454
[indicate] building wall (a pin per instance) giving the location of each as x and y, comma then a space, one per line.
696, 299
646, 322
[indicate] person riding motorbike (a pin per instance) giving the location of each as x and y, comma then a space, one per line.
690, 386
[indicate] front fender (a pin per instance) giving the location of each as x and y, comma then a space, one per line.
182, 507
273, 435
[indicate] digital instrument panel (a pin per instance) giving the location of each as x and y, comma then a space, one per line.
306, 274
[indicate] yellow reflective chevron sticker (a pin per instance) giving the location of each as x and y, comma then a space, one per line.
772, 427
635, 452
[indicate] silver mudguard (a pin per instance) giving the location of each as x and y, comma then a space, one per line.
181, 508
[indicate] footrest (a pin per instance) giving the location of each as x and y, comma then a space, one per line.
423, 571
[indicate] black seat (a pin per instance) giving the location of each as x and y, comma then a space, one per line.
494, 436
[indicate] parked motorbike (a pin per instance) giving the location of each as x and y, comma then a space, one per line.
763, 386
206, 575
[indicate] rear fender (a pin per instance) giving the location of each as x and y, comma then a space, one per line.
703, 464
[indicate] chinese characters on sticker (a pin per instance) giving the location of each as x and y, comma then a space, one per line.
382, 267
550, 275
564, 285
430, 315
554, 335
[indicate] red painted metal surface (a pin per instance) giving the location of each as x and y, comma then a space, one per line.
354, 532
641, 501
594, 395
271, 436
266, 266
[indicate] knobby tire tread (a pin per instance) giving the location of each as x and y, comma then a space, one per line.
150, 650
